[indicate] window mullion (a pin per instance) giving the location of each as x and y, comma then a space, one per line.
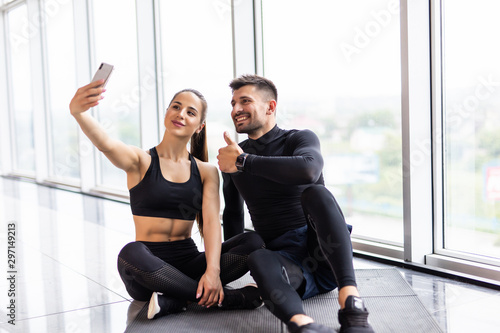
148, 103
83, 70
243, 37
6, 125
39, 101
416, 130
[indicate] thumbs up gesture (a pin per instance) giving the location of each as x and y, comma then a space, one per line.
227, 155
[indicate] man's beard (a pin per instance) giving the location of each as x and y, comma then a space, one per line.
251, 129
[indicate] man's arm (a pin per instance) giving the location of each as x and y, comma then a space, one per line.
233, 217
303, 166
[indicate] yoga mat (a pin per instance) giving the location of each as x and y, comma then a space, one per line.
393, 307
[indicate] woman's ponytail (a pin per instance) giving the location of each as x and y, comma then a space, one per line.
199, 150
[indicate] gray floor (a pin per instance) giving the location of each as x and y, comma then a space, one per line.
66, 280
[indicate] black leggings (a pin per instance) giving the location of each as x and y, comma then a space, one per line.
176, 267
281, 281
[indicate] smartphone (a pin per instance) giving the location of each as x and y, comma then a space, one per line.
104, 72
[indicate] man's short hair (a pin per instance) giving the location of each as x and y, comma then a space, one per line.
260, 82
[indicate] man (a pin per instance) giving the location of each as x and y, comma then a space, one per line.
278, 174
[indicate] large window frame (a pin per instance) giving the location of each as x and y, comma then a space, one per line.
421, 102
468, 264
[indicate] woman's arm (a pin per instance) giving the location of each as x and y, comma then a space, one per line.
121, 155
210, 286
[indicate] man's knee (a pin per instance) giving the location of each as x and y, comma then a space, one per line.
316, 194
320, 206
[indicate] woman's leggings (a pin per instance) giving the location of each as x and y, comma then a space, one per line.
144, 272
281, 281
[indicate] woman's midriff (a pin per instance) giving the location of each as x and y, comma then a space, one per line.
158, 229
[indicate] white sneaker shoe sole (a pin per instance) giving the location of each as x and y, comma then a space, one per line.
154, 306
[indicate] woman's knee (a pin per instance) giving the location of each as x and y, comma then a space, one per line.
130, 248
132, 252
243, 244
253, 241
139, 256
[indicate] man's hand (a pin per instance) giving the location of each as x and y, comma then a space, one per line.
228, 155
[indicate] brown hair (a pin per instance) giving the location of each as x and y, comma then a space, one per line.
198, 143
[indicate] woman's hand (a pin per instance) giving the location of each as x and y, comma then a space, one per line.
86, 97
210, 289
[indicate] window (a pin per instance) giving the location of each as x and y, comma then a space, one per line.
21, 89
116, 44
337, 70
471, 141
60, 39
199, 56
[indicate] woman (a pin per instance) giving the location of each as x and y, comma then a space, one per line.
170, 187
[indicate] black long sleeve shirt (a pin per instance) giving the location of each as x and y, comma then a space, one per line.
280, 165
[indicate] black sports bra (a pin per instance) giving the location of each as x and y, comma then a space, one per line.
157, 197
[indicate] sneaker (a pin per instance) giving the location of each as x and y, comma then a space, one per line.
247, 297
160, 305
354, 317
309, 328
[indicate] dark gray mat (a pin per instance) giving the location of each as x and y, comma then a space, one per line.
393, 306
